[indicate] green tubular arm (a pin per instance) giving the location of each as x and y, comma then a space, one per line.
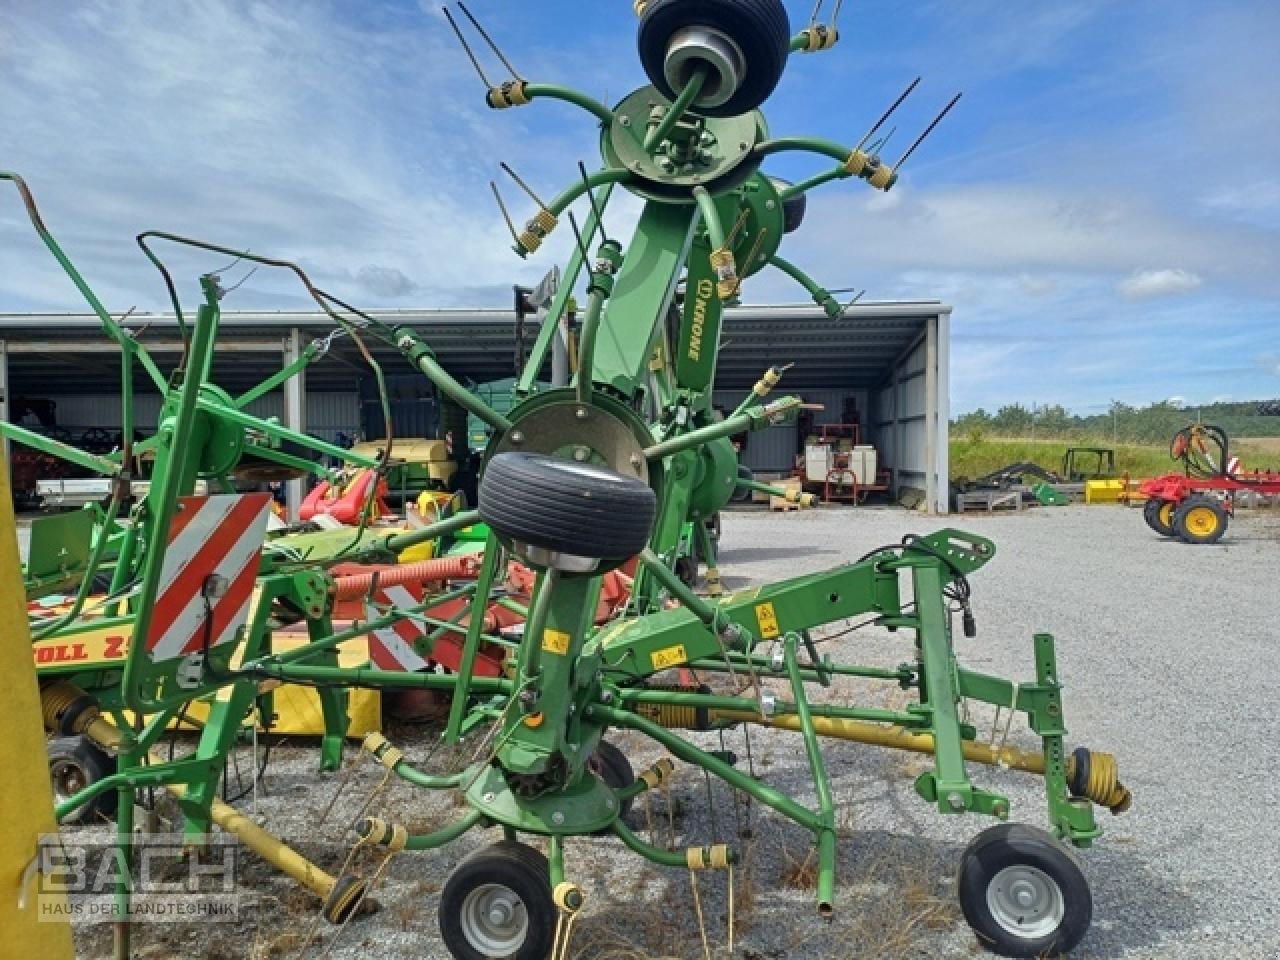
579, 187
309, 353
56, 448
278, 432
129, 347
751, 419
559, 303
418, 353
815, 290
826, 148
817, 180
658, 133
553, 91
710, 216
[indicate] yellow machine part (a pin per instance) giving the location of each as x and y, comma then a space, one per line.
1103, 787
297, 708
432, 455
1103, 491
26, 795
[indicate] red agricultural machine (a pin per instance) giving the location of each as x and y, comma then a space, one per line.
1196, 505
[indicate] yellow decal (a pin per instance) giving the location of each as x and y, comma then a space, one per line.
768, 621
555, 641
702, 298
89, 648
669, 657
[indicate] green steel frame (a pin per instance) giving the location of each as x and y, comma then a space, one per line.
569, 681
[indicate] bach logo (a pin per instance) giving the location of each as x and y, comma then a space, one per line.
78, 879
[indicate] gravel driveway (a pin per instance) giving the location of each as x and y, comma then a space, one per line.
1164, 649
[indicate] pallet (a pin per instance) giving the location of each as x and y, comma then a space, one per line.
990, 500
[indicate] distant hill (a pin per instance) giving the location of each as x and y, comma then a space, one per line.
1154, 424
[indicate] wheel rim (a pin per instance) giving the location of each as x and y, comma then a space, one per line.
1026, 902
1165, 514
1202, 521
68, 779
494, 920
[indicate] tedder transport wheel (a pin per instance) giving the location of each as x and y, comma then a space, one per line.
1023, 893
75, 763
1200, 519
567, 507
497, 903
1159, 516
744, 43
793, 208
612, 766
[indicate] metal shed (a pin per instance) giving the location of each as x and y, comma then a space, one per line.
888, 361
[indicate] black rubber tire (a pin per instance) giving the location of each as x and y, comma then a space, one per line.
523, 871
1151, 511
1183, 520
760, 28
75, 763
793, 208
714, 527
568, 507
742, 494
1014, 845
612, 766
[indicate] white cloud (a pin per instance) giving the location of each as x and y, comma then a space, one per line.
1145, 284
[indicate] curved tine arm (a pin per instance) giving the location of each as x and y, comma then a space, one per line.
128, 345
552, 91
821, 296
579, 187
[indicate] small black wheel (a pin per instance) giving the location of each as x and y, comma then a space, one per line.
612, 766
1200, 519
714, 527
793, 208
347, 894
497, 903
74, 764
566, 507
1159, 516
742, 494
1023, 893
744, 43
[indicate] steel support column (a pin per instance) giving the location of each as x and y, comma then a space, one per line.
295, 411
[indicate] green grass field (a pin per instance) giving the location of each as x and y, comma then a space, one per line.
972, 457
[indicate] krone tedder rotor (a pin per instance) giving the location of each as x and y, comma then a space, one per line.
577, 480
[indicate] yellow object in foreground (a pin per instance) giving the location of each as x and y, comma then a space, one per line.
26, 796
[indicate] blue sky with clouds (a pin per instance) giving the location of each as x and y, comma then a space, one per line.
1102, 209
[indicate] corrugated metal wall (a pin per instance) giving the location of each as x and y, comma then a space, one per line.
773, 449
327, 413
910, 414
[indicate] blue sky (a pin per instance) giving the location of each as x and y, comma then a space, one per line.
1102, 209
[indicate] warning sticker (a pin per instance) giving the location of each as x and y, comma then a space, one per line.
768, 621
669, 657
555, 641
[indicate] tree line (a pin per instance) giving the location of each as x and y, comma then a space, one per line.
1123, 423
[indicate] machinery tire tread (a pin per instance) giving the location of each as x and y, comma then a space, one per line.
760, 28
565, 506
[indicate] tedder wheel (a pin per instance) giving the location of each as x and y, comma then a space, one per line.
793, 208
497, 903
612, 766
1159, 516
567, 507
745, 44
1023, 893
75, 763
1200, 519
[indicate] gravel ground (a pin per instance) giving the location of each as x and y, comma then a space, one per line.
1162, 648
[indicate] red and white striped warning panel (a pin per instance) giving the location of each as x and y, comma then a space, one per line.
210, 537
391, 648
